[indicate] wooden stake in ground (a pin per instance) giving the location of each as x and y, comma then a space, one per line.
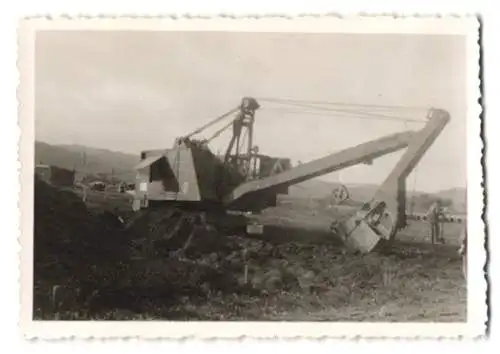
84, 194
245, 267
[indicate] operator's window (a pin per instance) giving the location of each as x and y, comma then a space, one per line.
156, 171
161, 171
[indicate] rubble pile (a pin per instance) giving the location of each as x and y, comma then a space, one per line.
106, 266
73, 247
101, 264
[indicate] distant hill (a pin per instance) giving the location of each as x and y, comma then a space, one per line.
121, 165
97, 160
317, 188
418, 201
457, 195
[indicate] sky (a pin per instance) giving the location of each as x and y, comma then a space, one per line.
133, 91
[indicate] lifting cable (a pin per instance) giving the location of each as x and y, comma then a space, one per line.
369, 106
352, 110
324, 108
358, 112
355, 115
199, 130
219, 132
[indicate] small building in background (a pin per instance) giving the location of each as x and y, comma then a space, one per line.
55, 176
124, 187
97, 186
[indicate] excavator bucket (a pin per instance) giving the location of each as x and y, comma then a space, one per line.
386, 212
361, 237
362, 231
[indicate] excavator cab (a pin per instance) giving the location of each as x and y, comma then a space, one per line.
187, 173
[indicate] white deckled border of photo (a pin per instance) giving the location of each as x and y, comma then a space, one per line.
476, 281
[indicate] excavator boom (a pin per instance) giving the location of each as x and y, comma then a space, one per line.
367, 152
381, 217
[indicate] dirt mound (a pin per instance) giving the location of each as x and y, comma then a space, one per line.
73, 247
95, 262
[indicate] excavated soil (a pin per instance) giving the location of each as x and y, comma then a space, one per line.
88, 267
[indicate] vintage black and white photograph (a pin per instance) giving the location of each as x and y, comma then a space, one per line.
251, 175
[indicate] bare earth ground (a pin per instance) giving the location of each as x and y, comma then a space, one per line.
295, 271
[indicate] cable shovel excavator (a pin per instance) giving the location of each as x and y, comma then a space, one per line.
187, 187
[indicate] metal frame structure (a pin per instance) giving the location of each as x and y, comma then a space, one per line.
189, 175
